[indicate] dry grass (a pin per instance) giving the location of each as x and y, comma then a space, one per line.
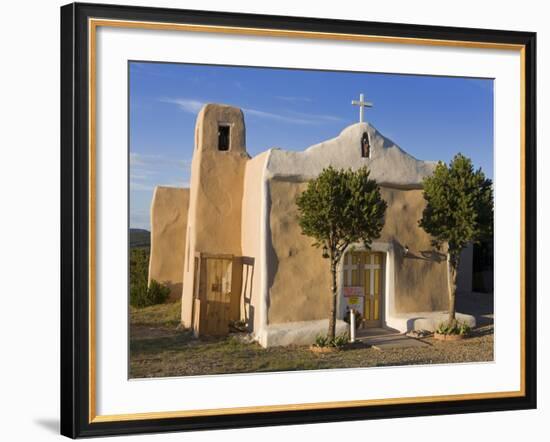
159, 349
160, 315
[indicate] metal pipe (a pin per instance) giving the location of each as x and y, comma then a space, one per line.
352, 325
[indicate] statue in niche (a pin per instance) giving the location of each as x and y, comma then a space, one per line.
365, 145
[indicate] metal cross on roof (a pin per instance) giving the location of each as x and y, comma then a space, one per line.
362, 104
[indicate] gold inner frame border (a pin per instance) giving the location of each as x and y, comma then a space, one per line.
93, 24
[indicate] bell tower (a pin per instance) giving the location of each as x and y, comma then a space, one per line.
216, 191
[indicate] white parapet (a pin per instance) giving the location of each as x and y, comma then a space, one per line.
297, 333
406, 322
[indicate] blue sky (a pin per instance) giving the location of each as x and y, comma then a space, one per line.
432, 118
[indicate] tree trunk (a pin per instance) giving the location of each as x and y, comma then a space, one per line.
332, 318
452, 269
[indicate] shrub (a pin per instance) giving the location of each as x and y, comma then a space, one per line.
321, 341
453, 328
338, 341
143, 296
464, 329
138, 293
158, 293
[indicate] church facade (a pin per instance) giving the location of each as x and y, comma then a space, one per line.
230, 246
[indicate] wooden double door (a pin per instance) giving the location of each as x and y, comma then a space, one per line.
363, 272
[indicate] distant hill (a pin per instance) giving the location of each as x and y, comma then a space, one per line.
140, 238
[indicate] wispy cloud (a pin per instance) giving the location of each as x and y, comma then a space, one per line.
193, 106
316, 116
139, 186
277, 117
185, 104
150, 170
291, 117
152, 161
139, 159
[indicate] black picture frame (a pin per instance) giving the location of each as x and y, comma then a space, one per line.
75, 220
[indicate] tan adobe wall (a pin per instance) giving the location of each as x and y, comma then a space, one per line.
168, 230
300, 279
421, 275
251, 240
214, 222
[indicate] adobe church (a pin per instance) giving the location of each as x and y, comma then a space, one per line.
230, 246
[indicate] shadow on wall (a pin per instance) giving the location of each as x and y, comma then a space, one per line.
427, 255
247, 312
432, 255
271, 257
403, 253
464, 277
418, 288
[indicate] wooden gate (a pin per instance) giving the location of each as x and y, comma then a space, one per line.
363, 270
217, 293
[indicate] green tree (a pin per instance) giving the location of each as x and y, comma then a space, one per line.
337, 209
459, 211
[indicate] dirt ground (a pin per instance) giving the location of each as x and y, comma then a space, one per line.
159, 349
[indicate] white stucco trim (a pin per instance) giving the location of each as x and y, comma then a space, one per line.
388, 267
388, 163
297, 333
152, 244
405, 322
